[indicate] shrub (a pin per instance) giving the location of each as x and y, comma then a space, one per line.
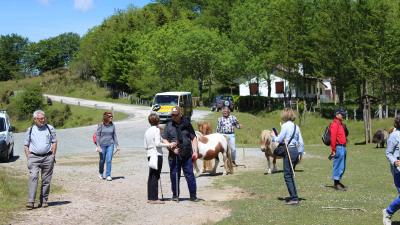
29, 100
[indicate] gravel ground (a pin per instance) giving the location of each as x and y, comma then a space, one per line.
90, 200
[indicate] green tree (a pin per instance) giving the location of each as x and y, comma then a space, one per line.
12, 48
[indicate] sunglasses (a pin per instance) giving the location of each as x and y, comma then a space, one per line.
174, 115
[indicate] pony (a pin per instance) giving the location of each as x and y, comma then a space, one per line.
209, 146
268, 147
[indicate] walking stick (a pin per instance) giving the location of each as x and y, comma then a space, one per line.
290, 159
176, 179
162, 195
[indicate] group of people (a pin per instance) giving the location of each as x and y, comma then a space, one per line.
179, 138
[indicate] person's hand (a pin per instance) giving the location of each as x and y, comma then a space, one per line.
172, 145
98, 149
397, 163
272, 133
176, 151
330, 157
118, 149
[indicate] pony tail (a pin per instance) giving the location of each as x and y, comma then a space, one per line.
229, 156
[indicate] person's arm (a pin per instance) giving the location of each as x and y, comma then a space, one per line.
219, 129
300, 141
236, 123
157, 140
53, 140
98, 135
115, 138
281, 136
390, 148
334, 129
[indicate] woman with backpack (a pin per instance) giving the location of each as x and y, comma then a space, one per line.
106, 140
290, 137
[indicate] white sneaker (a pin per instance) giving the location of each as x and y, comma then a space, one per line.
387, 218
109, 178
101, 176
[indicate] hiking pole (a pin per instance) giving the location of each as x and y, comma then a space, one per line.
176, 179
162, 195
290, 159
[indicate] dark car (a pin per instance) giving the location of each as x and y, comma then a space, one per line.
221, 101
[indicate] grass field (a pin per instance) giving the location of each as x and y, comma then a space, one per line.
80, 116
14, 192
367, 176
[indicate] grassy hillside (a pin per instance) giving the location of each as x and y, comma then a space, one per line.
80, 116
62, 82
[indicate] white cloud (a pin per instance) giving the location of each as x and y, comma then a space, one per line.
81, 5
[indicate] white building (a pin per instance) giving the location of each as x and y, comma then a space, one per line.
281, 88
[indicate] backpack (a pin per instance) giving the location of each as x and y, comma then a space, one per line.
326, 136
94, 137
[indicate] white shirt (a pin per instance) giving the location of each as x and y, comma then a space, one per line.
153, 142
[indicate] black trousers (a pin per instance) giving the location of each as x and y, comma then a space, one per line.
288, 174
152, 182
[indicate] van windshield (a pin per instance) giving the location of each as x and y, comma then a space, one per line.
2, 124
166, 100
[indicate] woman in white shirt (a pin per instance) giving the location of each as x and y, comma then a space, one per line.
153, 145
291, 135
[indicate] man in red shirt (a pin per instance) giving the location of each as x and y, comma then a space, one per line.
338, 148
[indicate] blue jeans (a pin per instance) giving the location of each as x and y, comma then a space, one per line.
288, 174
395, 205
176, 164
232, 145
339, 163
106, 155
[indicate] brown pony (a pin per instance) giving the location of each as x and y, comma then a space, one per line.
268, 147
209, 146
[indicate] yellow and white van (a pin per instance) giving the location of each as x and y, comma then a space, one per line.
165, 101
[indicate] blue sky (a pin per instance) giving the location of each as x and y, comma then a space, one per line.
41, 19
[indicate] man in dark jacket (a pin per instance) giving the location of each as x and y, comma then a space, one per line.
180, 130
338, 148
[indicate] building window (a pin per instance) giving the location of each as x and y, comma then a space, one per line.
279, 88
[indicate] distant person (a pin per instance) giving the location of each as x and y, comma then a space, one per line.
393, 156
180, 131
106, 141
40, 148
226, 125
291, 135
153, 145
338, 149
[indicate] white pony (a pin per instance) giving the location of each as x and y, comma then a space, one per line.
268, 147
209, 147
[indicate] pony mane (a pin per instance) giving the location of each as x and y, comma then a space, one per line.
204, 127
266, 142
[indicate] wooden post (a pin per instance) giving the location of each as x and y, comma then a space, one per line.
387, 111
355, 115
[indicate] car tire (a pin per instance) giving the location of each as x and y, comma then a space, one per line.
11, 156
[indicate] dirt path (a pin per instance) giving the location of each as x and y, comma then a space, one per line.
88, 200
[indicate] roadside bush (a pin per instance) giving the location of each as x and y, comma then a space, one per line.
26, 102
58, 117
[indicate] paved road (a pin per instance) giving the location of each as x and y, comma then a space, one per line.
130, 131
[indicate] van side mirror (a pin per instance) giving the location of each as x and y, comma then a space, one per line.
11, 129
